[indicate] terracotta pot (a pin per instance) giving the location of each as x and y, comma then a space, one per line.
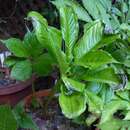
13, 93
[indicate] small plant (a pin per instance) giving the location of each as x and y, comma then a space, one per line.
16, 118
89, 80
28, 57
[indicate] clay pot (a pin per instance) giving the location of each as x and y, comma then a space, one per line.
13, 93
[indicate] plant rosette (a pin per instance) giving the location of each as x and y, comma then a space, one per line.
90, 86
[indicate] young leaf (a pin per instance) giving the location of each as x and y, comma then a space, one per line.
22, 70
7, 120
72, 105
69, 28
95, 59
73, 84
92, 36
16, 47
103, 76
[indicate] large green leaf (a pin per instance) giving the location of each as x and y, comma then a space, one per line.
79, 10
114, 124
90, 6
40, 26
16, 47
69, 28
106, 93
32, 44
72, 105
22, 70
12, 60
42, 65
73, 84
50, 38
95, 59
7, 120
23, 119
107, 39
95, 104
55, 37
111, 108
94, 87
92, 36
106, 75
98, 10
124, 94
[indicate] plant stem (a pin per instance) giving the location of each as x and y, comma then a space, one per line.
33, 89
51, 96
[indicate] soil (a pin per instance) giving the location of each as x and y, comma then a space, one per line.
5, 81
53, 119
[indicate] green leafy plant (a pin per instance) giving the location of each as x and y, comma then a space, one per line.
28, 57
115, 15
89, 80
16, 118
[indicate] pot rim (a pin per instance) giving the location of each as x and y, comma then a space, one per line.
17, 87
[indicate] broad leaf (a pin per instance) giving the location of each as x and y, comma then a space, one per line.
111, 108
55, 42
114, 124
95, 59
103, 76
32, 44
69, 28
79, 10
11, 60
124, 94
97, 10
107, 39
42, 65
72, 105
73, 84
92, 36
106, 94
7, 120
90, 6
94, 87
16, 47
23, 119
95, 104
50, 38
22, 70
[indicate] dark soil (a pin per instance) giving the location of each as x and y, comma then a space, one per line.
53, 119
